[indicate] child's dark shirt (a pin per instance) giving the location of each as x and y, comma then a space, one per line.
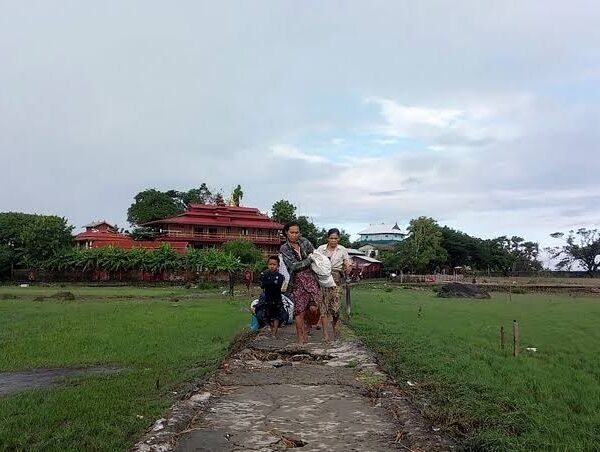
271, 283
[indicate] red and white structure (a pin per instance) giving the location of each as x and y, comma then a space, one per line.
101, 233
200, 226
205, 226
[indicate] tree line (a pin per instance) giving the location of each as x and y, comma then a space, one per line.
46, 242
429, 247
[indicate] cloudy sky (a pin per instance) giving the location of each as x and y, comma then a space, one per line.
482, 114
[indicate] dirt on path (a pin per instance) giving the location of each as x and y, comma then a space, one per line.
273, 395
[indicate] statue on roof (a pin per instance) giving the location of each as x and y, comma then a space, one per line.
237, 195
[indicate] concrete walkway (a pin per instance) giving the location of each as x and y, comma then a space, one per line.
273, 395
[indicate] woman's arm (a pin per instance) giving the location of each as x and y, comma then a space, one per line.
296, 265
291, 261
347, 265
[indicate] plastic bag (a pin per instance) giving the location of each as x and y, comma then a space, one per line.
254, 325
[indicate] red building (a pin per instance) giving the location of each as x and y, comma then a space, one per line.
365, 266
101, 233
204, 226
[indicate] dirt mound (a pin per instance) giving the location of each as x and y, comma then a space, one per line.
458, 290
62, 296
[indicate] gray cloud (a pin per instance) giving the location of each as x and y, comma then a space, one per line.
100, 101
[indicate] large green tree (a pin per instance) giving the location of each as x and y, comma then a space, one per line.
580, 247
44, 236
200, 195
424, 244
515, 254
283, 211
152, 204
462, 249
246, 252
502, 254
28, 240
421, 251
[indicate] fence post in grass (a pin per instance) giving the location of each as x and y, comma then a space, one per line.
515, 338
501, 338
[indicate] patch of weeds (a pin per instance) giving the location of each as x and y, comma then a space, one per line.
345, 331
68, 296
8, 296
370, 378
519, 291
206, 285
352, 363
388, 289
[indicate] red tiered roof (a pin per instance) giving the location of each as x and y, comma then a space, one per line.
210, 215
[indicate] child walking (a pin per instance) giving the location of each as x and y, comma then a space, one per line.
271, 281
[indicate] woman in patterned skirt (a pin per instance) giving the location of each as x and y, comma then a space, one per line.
303, 287
340, 267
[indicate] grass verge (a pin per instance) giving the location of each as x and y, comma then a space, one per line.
159, 344
449, 351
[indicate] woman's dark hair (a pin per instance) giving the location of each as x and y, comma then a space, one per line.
287, 226
274, 257
333, 231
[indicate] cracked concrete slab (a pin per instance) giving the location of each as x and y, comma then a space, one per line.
273, 395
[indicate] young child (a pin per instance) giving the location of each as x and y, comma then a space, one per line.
271, 281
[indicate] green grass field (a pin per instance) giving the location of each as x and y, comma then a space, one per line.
488, 399
151, 337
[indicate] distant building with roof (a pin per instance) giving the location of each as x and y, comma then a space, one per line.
363, 265
100, 234
200, 226
369, 250
207, 226
380, 234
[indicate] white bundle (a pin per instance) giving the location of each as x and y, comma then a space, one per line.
322, 268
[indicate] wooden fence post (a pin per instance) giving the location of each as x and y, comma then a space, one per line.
515, 338
501, 338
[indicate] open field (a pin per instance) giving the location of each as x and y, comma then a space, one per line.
98, 292
538, 281
488, 399
157, 344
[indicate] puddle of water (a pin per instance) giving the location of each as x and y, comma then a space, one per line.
39, 378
